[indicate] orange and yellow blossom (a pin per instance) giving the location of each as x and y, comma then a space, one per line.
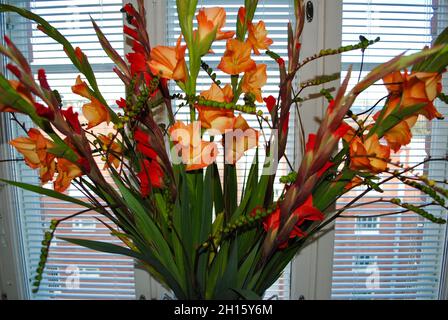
422, 87
95, 112
169, 62
237, 58
218, 119
211, 19
195, 153
239, 139
258, 37
113, 150
369, 155
67, 171
35, 150
400, 135
254, 80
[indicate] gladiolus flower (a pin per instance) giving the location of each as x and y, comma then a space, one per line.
67, 171
150, 176
254, 80
422, 87
356, 181
239, 139
35, 150
195, 153
211, 20
236, 58
112, 149
242, 15
271, 102
369, 156
394, 82
258, 37
169, 62
219, 119
306, 212
143, 144
400, 135
95, 112
72, 119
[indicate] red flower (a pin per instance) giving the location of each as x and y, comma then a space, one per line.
14, 70
130, 32
270, 103
151, 175
42, 77
43, 111
285, 124
306, 212
311, 143
121, 103
341, 130
143, 144
72, 119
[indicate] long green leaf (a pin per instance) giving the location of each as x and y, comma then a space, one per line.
48, 192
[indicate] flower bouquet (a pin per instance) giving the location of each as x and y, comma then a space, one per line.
169, 189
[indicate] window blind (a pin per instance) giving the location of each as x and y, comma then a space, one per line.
394, 257
72, 272
276, 14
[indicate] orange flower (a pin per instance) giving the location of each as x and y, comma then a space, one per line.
236, 58
113, 150
211, 19
67, 171
20, 89
35, 150
258, 37
169, 62
195, 153
394, 82
95, 112
238, 140
422, 87
356, 181
219, 119
254, 80
370, 155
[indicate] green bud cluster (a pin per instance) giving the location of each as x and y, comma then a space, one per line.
210, 73
229, 106
320, 80
289, 178
429, 190
326, 93
425, 214
363, 44
46, 242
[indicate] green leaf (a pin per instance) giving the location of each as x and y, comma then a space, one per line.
48, 192
247, 294
104, 247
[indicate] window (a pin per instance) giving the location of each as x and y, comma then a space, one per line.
401, 255
276, 15
72, 272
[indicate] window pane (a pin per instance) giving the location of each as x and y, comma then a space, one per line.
396, 257
72, 272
